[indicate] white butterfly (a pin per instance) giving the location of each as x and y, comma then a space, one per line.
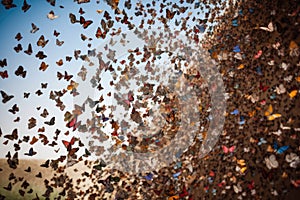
51, 15
270, 27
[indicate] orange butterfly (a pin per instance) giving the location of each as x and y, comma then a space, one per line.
85, 23
68, 145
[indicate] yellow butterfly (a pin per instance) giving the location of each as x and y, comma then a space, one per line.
241, 66
241, 162
293, 93
269, 114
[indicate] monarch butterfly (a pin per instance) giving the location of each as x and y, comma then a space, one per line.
169, 14
99, 33
85, 23
68, 145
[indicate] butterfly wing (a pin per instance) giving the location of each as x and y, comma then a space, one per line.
282, 149
225, 149
231, 149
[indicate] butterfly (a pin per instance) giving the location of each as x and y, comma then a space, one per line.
59, 43
18, 36
31, 123
41, 55
228, 150
68, 145
29, 50
34, 28
51, 15
279, 150
43, 66
18, 48
81, 11
73, 18
99, 33
42, 42
68, 58
60, 62
55, 33
3, 62
14, 109
269, 114
234, 22
13, 135
73, 123
46, 164
39, 92
31, 152
270, 27
9, 186
25, 6
20, 72
44, 113
82, 73
44, 85
6, 97
4, 74
262, 141
51, 122
85, 23
33, 140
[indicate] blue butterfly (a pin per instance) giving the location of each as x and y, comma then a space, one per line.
236, 49
201, 28
258, 70
262, 141
234, 22
235, 112
281, 149
242, 120
149, 176
176, 175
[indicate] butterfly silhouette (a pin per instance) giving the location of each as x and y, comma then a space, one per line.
51, 122
3, 62
73, 18
55, 33
42, 42
8, 4
20, 72
43, 66
169, 14
29, 50
44, 113
81, 11
14, 109
6, 97
31, 152
52, 2
44, 85
13, 135
4, 74
25, 6
85, 23
41, 55
18, 36
59, 43
34, 28
18, 48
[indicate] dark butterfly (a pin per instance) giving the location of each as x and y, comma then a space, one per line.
29, 49
76, 54
51, 122
169, 14
25, 6
26, 95
8, 4
13, 136
26, 170
106, 15
9, 187
67, 76
92, 53
99, 33
18, 36
68, 58
18, 48
60, 62
30, 153
52, 2
31, 123
85, 23
3, 62
55, 33
45, 113
34, 28
4, 74
59, 43
6, 97
22, 192
73, 18
14, 109
39, 92
59, 75
43, 66
41, 55
46, 164
81, 11
42, 42
44, 85
20, 72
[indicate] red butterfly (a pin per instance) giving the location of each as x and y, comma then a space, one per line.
99, 33
73, 123
4, 74
183, 193
68, 145
85, 23
228, 150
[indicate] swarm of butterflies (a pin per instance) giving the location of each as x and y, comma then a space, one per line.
169, 13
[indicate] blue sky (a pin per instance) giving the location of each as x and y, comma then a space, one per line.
15, 20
